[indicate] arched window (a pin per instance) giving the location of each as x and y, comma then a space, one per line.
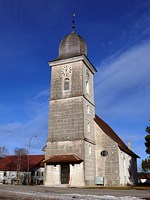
87, 87
90, 150
66, 84
88, 127
88, 109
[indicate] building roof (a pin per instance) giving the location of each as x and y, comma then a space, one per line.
63, 159
144, 175
11, 163
72, 45
108, 130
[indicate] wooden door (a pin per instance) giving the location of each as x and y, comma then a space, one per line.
65, 172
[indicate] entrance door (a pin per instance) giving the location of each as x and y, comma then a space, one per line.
65, 171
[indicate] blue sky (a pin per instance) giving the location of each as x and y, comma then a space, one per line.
118, 37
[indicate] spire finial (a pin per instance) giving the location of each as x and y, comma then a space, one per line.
73, 26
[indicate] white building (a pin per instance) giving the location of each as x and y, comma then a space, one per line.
14, 170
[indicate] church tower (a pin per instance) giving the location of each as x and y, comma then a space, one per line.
70, 150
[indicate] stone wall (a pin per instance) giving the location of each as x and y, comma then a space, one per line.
89, 163
88, 77
107, 166
66, 121
71, 125
75, 77
65, 147
89, 121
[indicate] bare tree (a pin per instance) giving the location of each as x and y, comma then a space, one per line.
20, 153
3, 151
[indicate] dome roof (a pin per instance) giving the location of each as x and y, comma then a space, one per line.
72, 45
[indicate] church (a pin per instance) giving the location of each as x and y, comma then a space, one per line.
81, 149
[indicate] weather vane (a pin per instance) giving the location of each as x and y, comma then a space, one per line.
73, 26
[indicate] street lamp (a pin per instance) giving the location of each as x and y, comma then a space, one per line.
28, 161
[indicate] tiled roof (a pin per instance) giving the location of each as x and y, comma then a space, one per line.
10, 163
143, 175
108, 130
62, 159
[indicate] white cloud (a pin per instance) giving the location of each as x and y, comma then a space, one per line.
125, 81
17, 134
122, 94
138, 21
41, 94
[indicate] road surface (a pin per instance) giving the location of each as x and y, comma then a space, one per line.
8, 192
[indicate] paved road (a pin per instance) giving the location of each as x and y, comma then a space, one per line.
101, 192
59, 193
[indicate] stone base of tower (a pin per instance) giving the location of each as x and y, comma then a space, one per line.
56, 176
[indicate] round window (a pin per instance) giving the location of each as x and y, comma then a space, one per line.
104, 153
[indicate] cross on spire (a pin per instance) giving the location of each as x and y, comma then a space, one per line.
73, 26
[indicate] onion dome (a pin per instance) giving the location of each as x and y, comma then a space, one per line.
72, 45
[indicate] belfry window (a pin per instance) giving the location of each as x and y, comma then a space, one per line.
87, 87
88, 127
66, 84
90, 150
88, 109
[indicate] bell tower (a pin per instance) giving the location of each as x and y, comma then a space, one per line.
70, 150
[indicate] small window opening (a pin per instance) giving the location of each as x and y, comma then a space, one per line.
88, 109
66, 84
87, 87
104, 153
88, 127
90, 150
38, 173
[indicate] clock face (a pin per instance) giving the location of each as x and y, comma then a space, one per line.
66, 70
